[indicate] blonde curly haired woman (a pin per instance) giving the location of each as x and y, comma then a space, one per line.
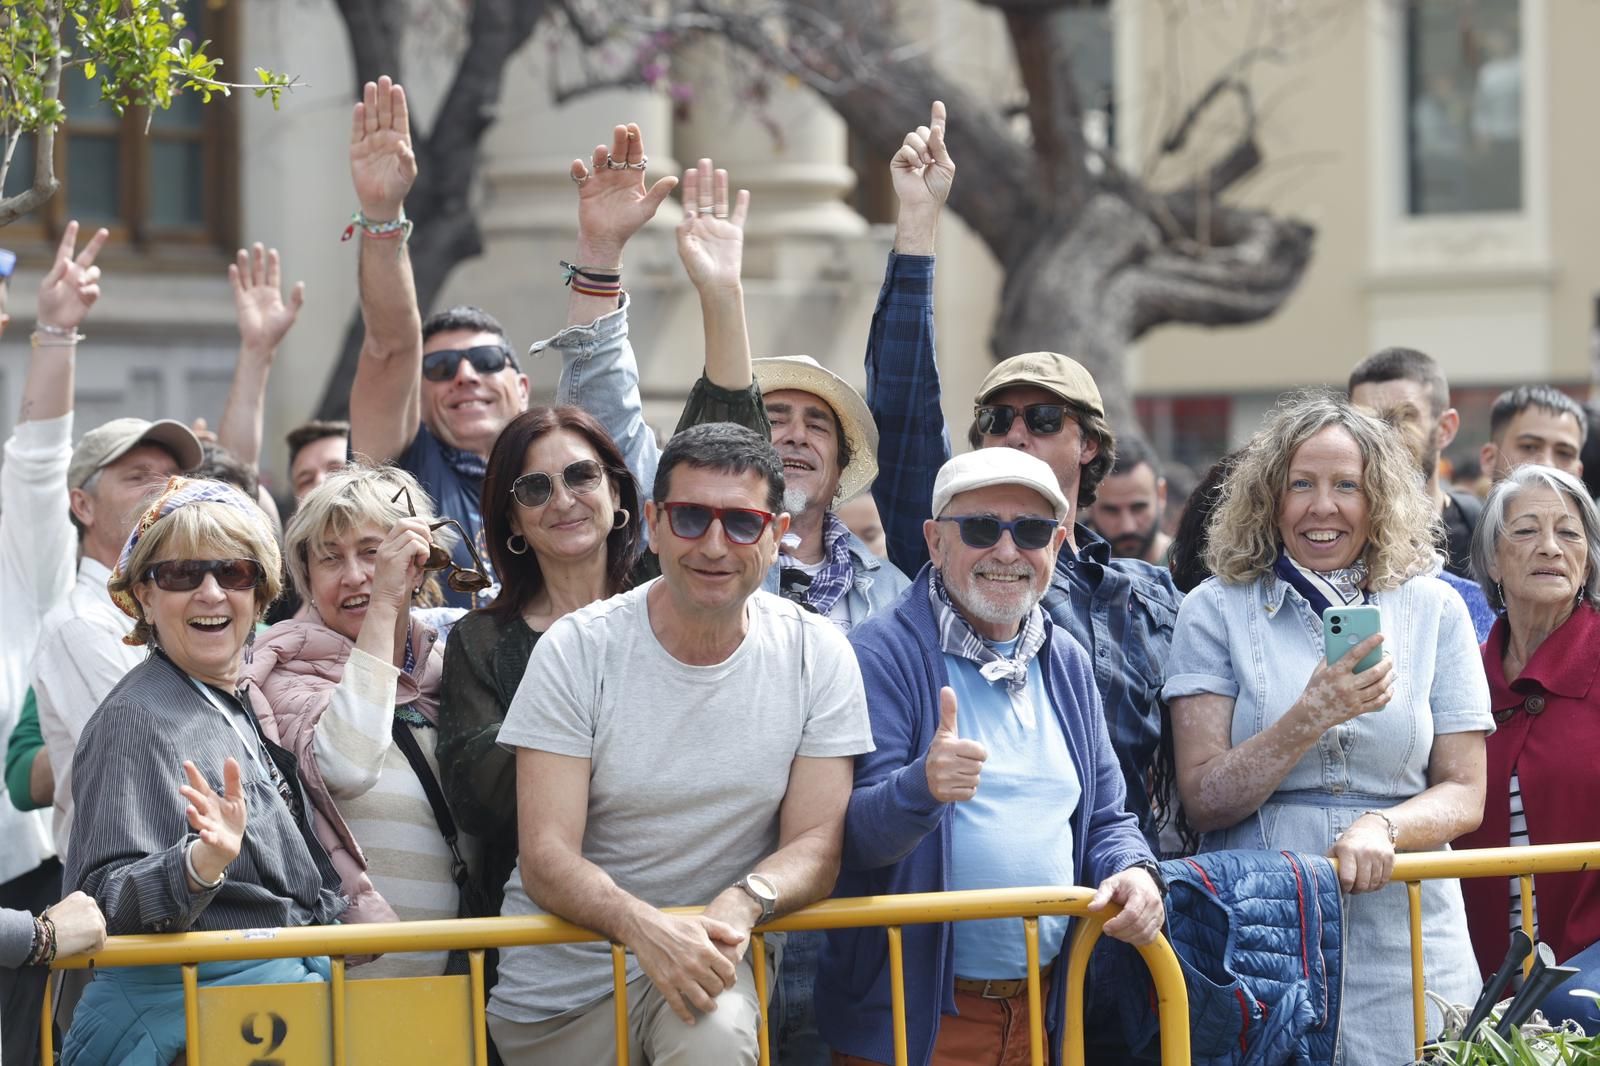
1278, 749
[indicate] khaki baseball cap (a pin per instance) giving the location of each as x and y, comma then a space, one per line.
1050, 371
108, 443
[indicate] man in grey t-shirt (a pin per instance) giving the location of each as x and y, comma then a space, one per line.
689, 743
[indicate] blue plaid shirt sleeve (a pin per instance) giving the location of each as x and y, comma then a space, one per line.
903, 394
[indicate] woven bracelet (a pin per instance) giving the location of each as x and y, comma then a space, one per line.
395, 227
604, 275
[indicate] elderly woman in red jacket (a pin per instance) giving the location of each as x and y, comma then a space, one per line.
1537, 554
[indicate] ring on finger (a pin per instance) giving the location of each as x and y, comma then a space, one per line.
579, 179
612, 164
643, 162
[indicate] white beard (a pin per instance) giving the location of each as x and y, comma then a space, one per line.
795, 501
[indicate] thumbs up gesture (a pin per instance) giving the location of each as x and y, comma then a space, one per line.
953, 764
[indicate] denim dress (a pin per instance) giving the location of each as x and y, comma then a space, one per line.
1258, 643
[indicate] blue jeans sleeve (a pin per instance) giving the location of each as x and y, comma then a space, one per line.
600, 374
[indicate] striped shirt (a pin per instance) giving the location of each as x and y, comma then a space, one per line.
1519, 839
128, 848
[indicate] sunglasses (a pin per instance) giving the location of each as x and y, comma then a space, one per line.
485, 359
741, 525
1029, 533
1042, 419
581, 477
185, 575
459, 578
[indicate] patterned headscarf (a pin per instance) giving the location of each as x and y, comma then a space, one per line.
180, 492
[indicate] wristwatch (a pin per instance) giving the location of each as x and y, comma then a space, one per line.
763, 891
1154, 870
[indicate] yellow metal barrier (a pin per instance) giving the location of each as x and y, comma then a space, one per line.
476, 934
1521, 863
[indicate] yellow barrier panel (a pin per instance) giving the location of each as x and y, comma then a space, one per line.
1521, 863
345, 1017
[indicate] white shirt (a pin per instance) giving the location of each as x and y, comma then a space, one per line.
80, 659
37, 547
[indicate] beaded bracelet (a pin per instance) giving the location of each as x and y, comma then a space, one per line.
56, 331
379, 230
56, 340
43, 952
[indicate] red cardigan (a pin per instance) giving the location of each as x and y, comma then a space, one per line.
1556, 752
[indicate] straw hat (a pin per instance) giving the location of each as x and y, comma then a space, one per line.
861, 433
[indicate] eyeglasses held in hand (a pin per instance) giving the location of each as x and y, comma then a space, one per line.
535, 489
1028, 533
459, 578
186, 575
741, 525
485, 359
1042, 419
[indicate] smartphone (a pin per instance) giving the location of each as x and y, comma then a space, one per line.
1345, 627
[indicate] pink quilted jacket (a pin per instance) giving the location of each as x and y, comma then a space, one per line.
296, 665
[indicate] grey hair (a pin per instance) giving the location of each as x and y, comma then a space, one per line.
1492, 524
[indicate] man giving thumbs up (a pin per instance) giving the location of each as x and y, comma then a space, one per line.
1025, 791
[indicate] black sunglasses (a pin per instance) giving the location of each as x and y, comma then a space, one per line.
485, 359
1029, 532
186, 575
535, 489
460, 578
1042, 419
741, 525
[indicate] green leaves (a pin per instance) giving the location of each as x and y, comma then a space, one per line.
141, 52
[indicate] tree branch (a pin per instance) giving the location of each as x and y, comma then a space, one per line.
44, 144
374, 36
1040, 39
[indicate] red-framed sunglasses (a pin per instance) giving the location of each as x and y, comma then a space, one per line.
741, 525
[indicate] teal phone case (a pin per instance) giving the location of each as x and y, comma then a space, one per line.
1345, 627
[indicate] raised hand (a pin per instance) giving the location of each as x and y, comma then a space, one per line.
264, 317
953, 765
72, 286
613, 201
711, 236
218, 819
922, 169
382, 164
401, 557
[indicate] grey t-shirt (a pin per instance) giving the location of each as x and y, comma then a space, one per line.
689, 764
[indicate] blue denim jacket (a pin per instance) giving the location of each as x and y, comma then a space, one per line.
600, 374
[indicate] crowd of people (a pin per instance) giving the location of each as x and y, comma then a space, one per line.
512, 659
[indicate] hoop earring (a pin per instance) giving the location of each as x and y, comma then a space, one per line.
513, 542
620, 519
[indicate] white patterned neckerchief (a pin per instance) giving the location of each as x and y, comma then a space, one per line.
957, 638
838, 573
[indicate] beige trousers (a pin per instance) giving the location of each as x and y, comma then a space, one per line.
656, 1035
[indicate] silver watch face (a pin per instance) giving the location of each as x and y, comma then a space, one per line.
762, 888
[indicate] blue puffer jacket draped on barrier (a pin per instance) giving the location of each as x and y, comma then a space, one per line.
1259, 936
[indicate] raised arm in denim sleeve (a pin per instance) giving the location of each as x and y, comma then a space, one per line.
903, 394
600, 374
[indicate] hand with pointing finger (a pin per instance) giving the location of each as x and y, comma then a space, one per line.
953, 765
922, 172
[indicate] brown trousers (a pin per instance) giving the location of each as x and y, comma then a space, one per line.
988, 1032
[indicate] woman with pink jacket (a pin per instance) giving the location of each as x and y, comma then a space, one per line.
354, 693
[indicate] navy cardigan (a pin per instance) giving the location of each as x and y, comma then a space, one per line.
897, 838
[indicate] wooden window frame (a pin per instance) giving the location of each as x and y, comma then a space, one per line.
218, 137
